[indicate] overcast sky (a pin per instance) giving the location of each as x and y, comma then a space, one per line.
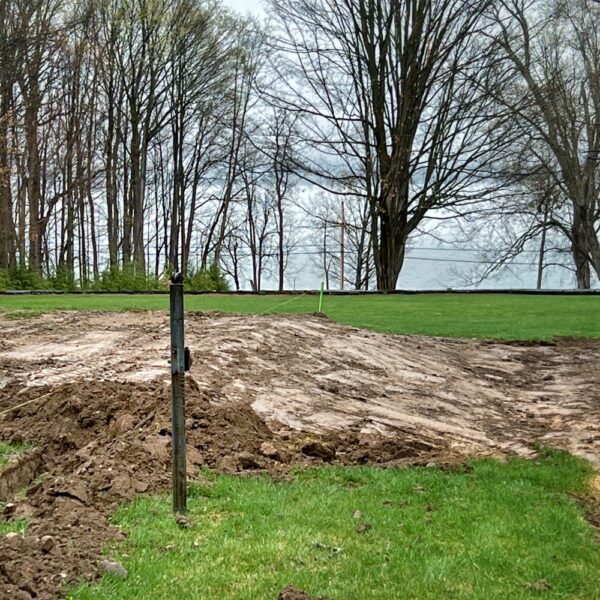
424, 268
246, 6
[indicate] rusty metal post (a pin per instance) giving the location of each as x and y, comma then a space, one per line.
178, 367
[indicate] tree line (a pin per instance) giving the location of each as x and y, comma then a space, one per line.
139, 137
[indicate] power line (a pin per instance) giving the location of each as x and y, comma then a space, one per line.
415, 258
426, 248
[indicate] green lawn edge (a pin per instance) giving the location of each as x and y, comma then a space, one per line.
488, 529
485, 316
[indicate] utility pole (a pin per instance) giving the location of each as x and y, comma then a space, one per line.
540, 273
325, 267
342, 247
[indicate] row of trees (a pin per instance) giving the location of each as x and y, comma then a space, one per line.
153, 135
130, 138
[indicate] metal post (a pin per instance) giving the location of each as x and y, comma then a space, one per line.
178, 366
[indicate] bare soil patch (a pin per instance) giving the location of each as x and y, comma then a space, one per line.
91, 391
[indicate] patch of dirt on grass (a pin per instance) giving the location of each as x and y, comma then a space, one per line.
91, 392
595, 489
292, 593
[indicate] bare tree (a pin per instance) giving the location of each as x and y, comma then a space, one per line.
246, 65
390, 95
279, 148
201, 75
553, 49
140, 56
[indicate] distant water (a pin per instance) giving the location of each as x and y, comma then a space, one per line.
452, 269
440, 269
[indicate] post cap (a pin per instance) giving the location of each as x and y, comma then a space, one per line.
177, 278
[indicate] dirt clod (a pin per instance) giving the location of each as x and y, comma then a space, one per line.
247, 460
114, 568
46, 544
540, 585
363, 527
183, 522
270, 451
123, 423
318, 450
76, 491
14, 539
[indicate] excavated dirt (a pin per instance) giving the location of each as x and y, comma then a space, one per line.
91, 392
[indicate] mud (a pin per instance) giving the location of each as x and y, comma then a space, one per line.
90, 390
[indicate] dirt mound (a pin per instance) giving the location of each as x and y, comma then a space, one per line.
91, 391
102, 443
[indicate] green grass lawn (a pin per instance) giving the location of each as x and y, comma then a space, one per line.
490, 530
518, 317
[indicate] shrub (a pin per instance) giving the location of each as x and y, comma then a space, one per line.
62, 279
4, 280
211, 279
22, 278
125, 279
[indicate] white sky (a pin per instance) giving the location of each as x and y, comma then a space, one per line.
423, 269
246, 6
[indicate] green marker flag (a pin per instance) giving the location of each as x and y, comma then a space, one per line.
321, 298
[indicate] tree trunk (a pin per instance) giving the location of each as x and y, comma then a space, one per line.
177, 236
580, 249
127, 206
36, 226
112, 210
7, 225
281, 243
137, 198
391, 244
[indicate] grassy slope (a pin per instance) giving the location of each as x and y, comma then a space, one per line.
508, 530
485, 316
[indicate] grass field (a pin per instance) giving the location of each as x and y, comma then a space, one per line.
517, 317
490, 530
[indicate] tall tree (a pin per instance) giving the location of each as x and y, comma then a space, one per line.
201, 56
36, 28
8, 67
390, 95
141, 55
553, 49
279, 146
